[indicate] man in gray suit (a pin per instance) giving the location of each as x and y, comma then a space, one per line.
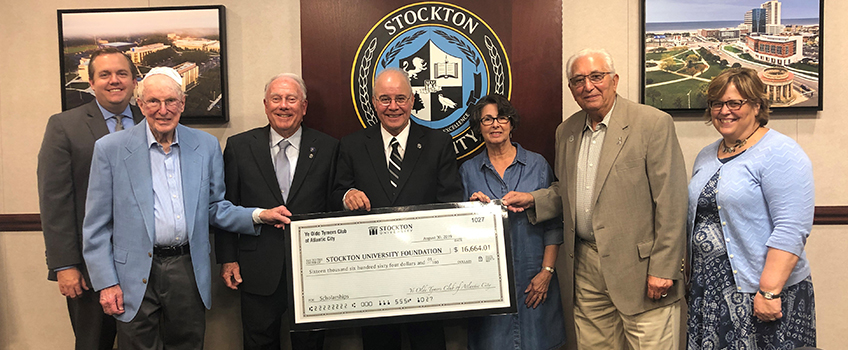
63, 166
622, 195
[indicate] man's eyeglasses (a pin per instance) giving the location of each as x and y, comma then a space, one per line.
156, 104
731, 104
386, 100
594, 77
489, 120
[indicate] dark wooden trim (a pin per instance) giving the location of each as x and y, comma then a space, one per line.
831, 215
20, 222
825, 215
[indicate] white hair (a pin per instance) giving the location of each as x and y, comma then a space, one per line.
589, 52
291, 76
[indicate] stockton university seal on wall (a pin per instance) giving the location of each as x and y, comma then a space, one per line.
452, 57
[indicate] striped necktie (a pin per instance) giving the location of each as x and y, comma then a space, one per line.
394, 163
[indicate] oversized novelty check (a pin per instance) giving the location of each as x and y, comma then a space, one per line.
435, 261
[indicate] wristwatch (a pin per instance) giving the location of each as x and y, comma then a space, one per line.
769, 295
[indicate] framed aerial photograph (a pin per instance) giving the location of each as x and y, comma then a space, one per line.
190, 39
687, 43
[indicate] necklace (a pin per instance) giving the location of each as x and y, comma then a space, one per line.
739, 143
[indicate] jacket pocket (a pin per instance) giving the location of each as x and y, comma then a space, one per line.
120, 255
645, 249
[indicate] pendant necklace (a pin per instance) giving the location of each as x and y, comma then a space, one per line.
739, 143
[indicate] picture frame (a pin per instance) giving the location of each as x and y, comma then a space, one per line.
191, 39
681, 51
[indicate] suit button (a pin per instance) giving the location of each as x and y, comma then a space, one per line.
144, 280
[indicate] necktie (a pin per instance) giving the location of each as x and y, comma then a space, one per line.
283, 168
394, 163
120, 124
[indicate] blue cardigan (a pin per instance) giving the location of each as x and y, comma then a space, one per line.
765, 200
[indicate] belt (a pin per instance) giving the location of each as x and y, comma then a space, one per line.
592, 245
166, 251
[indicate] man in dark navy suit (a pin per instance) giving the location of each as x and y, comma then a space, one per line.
397, 163
282, 163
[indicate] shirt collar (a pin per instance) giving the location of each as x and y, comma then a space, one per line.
152, 140
604, 122
106, 114
520, 157
294, 140
401, 137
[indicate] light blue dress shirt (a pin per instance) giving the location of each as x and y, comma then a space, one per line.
127, 119
168, 205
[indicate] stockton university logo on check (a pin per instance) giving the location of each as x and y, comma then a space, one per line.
452, 57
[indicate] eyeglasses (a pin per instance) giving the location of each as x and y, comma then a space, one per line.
386, 100
156, 104
731, 104
291, 99
489, 120
594, 77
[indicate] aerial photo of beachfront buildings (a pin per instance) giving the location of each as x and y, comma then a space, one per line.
683, 51
164, 40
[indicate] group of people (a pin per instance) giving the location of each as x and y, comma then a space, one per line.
603, 248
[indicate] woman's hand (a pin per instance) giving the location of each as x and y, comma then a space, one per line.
537, 291
479, 196
767, 310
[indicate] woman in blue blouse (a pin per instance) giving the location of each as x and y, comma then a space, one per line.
503, 167
750, 213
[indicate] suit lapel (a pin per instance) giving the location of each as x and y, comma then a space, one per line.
574, 131
137, 162
191, 169
614, 141
304, 161
374, 147
136, 114
95, 121
261, 150
412, 151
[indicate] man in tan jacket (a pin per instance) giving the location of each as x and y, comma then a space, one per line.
622, 194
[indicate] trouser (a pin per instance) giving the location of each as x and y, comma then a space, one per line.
93, 329
172, 315
261, 318
600, 325
428, 335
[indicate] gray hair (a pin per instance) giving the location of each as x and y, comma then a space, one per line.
589, 52
397, 70
291, 76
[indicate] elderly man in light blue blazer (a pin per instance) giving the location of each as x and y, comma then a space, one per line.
154, 190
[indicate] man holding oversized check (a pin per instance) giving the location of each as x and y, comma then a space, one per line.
396, 163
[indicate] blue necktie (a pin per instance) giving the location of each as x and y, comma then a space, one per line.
283, 169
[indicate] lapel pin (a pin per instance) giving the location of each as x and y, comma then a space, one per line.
571, 138
311, 156
619, 140
311, 152
419, 146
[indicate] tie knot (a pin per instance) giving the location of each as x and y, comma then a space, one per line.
283, 144
394, 143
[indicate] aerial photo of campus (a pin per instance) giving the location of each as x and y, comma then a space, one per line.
687, 43
186, 40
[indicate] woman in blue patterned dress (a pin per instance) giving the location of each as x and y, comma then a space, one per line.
750, 213
503, 167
